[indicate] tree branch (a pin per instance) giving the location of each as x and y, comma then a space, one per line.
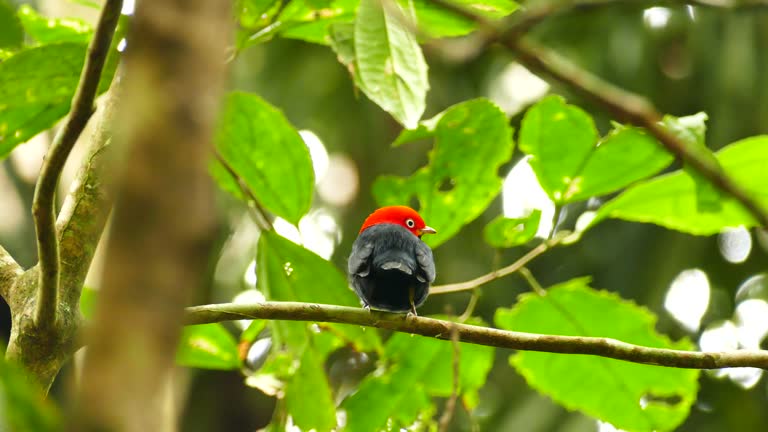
532, 16
623, 104
10, 270
496, 274
429, 327
43, 208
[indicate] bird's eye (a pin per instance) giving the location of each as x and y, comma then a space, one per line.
410, 223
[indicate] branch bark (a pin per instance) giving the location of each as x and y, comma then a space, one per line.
624, 105
162, 223
81, 223
10, 270
43, 208
603, 347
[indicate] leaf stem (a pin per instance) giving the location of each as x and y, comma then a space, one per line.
260, 213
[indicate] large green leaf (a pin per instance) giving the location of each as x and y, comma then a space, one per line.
630, 396
288, 272
52, 30
391, 68
308, 396
36, 88
207, 346
22, 406
11, 32
267, 152
472, 140
673, 201
569, 161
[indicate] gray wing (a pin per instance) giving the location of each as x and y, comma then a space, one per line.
359, 260
426, 261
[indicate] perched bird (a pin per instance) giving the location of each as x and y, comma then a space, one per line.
390, 267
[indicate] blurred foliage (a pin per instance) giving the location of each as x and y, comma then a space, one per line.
298, 64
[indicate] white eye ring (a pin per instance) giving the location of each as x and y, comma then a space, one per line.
410, 223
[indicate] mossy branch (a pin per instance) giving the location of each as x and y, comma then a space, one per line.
43, 208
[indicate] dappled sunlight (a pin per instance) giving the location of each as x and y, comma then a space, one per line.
725, 336
735, 244
522, 193
515, 87
317, 152
341, 183
688, 298
656, 17
318, 231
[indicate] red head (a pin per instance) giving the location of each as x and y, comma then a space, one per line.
400, 215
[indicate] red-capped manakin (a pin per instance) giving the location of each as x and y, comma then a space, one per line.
390, 267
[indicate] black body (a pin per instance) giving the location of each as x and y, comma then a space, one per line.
390, 268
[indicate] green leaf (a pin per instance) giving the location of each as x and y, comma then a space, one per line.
505, 232
391, 68
207, 346
266, 151
623, 157
22, 406
88, 302
308, 396
630, 396
11, 32
51, 30
475, 362
572, 165
307, 20
435, 21
472, 140
691, 131
36, 88
384, 395
672, 200
288, 272
252, 332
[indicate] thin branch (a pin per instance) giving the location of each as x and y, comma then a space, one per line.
260, 215
524, 22
496, 274
43, 207
10, 270
450, 406
429, 327
623, 104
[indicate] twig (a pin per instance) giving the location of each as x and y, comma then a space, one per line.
43, 207
260, 212
10, 270
450, 405
496, 274
470, 309
603, 347
528, 276
623, 104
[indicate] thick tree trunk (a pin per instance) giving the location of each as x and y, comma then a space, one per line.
162, 221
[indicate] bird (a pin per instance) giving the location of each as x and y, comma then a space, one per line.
390, 267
